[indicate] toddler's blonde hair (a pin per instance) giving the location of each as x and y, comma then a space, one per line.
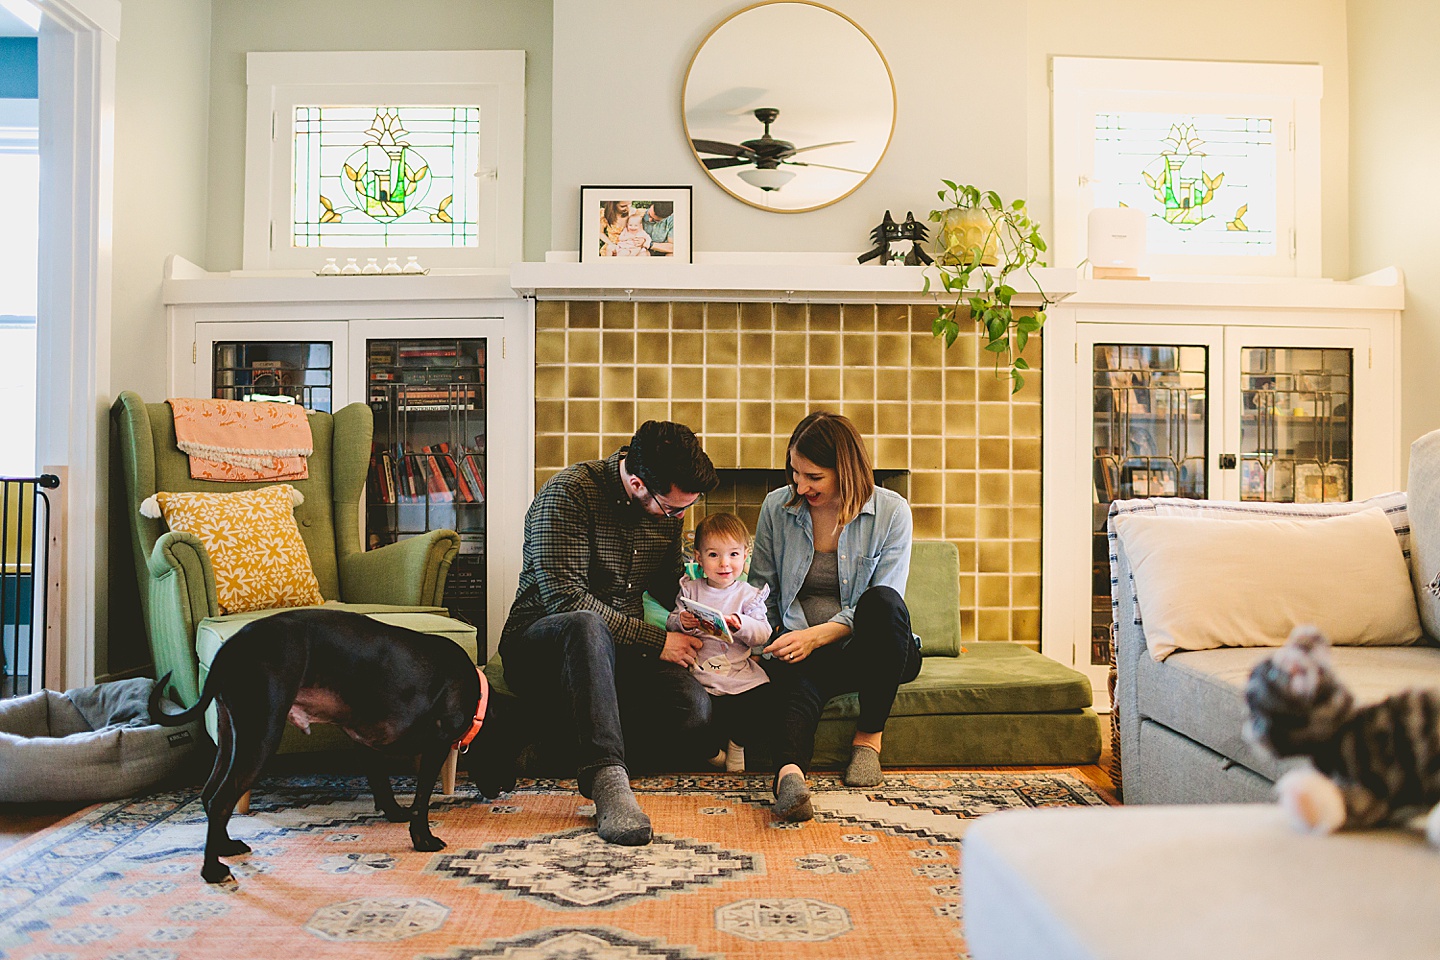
721, 525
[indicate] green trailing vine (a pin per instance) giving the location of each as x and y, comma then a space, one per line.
1010, 241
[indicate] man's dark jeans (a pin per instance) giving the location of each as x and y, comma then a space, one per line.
612, 702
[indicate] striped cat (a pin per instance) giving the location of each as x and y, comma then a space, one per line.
1369, 763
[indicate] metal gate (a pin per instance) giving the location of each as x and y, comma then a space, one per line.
24, 575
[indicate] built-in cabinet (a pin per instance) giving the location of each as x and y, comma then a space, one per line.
1284, 392
1279, 391
446, 366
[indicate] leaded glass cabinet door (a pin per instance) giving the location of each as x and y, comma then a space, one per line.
1146, 416
1291, 424
445, 394
428, 458
283, 362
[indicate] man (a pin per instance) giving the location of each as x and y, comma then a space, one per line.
659, 224
599, 535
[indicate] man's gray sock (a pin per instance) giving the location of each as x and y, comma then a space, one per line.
618, 817
864, 769
792, 799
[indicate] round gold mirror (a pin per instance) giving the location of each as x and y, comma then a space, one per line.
788, 106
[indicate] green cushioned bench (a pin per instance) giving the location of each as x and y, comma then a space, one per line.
995, 704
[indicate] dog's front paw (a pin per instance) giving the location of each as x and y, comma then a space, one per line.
215, 872
395, 814
428, 844
1312, 802
491, 785
231, 848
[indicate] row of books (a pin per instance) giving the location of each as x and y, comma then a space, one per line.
434, 474
430, 377
425, 397
431, 352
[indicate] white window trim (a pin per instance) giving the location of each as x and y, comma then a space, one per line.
279, 81
1081, 87
72, 340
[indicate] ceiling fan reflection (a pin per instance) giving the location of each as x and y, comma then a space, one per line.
766, 154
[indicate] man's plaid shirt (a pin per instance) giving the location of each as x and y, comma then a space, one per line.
588, 546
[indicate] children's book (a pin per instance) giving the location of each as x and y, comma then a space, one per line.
713, 619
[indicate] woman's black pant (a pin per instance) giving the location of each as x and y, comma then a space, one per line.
880, 655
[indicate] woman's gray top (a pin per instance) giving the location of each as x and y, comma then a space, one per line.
819, 595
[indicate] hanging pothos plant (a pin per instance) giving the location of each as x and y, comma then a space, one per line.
982, 241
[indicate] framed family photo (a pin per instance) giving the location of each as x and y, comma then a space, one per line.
634, 222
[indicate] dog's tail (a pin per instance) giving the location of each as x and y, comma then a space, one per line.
158, 714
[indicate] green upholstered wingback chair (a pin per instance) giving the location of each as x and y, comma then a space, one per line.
177, 583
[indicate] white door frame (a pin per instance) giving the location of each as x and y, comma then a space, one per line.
77, 147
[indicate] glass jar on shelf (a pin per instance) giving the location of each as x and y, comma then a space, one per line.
392, 265
372, 266
351, 268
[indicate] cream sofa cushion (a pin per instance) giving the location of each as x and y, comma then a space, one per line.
1209, 582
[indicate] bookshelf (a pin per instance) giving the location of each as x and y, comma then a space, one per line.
428, 466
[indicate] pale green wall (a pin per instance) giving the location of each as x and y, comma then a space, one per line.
162, 105
241, 26
1394, 208
959, 115
162, 67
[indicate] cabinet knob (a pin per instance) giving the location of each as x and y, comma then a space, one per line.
1227, 461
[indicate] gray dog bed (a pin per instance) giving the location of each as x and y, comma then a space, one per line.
93, 743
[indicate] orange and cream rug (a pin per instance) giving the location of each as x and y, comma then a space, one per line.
874, 875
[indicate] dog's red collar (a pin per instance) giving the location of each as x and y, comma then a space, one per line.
464, 742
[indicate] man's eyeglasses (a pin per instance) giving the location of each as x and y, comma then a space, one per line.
670, 512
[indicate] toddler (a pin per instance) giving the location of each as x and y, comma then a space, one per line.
739, 688
622, 233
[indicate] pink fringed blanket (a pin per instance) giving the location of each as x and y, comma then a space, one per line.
237, 440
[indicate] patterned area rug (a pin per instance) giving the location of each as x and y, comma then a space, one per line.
874, 875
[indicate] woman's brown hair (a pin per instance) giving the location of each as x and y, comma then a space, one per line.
830, 440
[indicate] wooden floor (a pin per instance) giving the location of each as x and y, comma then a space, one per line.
20, 820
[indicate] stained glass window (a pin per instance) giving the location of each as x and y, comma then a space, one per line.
1223, 158
386, 176
1207, 181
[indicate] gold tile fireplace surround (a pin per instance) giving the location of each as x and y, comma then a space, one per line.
742, 372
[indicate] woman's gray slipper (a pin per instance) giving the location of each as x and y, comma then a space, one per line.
864, 769
792, 799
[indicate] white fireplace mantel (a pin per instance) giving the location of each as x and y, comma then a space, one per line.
797, 279
798, 282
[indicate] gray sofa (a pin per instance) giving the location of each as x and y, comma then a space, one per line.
1180, 719
1217, 874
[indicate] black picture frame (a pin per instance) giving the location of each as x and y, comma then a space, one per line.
605, 237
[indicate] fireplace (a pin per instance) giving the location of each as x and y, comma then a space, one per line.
940, 426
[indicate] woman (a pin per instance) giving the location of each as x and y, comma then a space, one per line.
834, 549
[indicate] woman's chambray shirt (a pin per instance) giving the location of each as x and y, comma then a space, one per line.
874, 550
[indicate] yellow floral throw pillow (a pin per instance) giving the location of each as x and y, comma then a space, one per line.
255, 548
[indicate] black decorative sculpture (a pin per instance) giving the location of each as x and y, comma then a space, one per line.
888, 232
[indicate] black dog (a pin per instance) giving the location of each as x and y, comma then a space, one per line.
389, 688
